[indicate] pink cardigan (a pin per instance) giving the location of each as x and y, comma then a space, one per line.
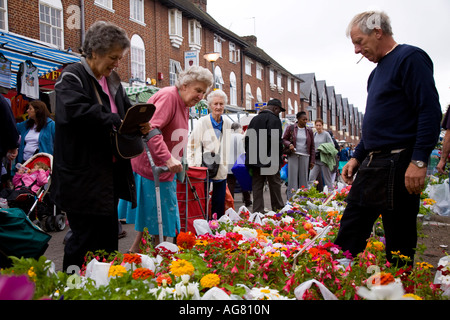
172, 118
40, 176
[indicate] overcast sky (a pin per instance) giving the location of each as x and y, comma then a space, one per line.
309, 36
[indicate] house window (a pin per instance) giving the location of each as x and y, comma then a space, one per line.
50, 22
104, 3
259, 97
248, 97
259, 69
289, 84
235, 54
248, 66
233, 89
4, 15
218, 78
295, 87
137, 58
218, 44
195, 35
174, 70
175, 27
137, 10
272, 76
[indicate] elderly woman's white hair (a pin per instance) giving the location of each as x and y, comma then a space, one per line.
195, 73
216, 94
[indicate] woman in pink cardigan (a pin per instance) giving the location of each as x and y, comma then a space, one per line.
171, 118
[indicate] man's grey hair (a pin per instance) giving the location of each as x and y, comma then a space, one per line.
369, 20
102, 37
195, 73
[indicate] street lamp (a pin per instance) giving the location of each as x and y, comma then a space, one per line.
212, 57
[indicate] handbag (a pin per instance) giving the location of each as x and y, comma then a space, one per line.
127, 142
211, 161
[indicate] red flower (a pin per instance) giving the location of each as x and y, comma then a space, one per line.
142, 273
186, 240
132, 258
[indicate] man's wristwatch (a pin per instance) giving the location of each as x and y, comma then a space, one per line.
419, 164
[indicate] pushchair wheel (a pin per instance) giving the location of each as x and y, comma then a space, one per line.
60, 222
49, 223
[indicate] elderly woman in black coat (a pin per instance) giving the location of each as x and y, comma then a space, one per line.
87, 178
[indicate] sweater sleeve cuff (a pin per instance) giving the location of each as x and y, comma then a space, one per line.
420, 155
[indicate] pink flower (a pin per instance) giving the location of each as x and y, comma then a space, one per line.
213, 224
234, 270
16, 288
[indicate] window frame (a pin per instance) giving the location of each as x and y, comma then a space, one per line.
4, 13
52, 31
137, 13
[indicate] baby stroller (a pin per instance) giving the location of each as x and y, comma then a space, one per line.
38, 207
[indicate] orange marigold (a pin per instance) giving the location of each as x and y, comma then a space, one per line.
186, 240
164, 279
132, 258
142, 273
382, 278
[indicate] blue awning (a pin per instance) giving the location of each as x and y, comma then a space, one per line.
45, 58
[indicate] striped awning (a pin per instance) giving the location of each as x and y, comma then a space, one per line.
47, 59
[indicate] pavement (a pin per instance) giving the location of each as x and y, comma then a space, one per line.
55, 250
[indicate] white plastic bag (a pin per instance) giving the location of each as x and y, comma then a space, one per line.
441, 194
301, 289
98, 271
201, 227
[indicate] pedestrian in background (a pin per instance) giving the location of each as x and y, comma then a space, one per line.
9, 141
237, 149
400, 129
212, 133
445, 152
264, 149
171, 118
299, 139
37, 132
87, 180
320, 168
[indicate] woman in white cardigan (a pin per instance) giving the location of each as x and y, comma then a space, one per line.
212, 133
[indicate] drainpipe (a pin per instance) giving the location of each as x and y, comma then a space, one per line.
82, 22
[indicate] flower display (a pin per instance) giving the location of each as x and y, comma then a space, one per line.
289, 254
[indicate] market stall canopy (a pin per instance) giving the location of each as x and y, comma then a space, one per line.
47, 59
140, 94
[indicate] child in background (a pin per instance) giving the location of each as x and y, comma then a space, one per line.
33, 179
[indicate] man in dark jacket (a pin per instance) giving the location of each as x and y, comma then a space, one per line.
263, 148
9, 136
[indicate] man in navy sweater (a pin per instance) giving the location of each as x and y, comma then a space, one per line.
400, 129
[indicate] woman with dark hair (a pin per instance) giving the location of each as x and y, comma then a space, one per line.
87, 179
37, 133
299, 139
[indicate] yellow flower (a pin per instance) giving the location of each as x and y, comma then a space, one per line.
210, 280
118, 271
410, 295
32, 274
201, 242
377, 245
424, 265
180, 267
